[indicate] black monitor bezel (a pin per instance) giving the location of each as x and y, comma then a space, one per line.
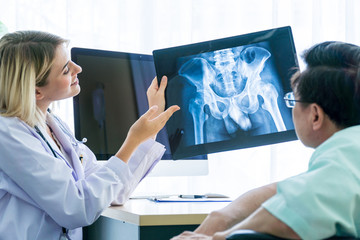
76, 51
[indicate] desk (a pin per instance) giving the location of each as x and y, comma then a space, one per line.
141, 219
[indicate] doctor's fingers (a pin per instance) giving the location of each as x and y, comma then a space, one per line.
155, 89
153, 85
148, 125
164, 116
149, 114
163, 84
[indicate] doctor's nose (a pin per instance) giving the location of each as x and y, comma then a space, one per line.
77, 68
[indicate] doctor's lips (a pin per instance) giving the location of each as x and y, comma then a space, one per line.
75, 82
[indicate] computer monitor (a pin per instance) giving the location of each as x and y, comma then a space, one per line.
230, 92
113, 96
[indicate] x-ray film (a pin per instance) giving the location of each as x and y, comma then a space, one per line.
230, 92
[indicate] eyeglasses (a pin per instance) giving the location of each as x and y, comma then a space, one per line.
290, 100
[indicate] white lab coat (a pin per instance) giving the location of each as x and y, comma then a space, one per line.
40, 194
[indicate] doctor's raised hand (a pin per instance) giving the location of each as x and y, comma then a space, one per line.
52, 184
156, 94
150, 123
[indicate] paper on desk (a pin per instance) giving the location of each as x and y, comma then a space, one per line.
178, 199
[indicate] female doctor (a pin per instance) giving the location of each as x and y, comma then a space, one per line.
51, 184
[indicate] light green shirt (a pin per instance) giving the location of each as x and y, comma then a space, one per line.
325, 200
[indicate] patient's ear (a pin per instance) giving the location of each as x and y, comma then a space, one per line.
317, 116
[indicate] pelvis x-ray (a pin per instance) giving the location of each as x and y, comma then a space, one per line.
226, 94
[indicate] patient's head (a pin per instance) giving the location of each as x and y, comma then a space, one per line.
332, 80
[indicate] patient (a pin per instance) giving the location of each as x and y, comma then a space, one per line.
325, 200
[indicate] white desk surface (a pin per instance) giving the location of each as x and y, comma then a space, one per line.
143, 212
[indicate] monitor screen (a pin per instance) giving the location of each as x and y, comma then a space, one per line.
113, 96
230, 92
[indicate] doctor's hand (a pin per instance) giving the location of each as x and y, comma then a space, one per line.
156, 94
145, 127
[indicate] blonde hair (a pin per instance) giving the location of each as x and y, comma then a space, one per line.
26, 58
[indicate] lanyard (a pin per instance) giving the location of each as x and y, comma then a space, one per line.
64, 235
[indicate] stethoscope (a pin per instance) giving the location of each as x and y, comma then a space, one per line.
64, 235
65, 130
54, 152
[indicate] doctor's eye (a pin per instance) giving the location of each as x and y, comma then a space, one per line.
66, 71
